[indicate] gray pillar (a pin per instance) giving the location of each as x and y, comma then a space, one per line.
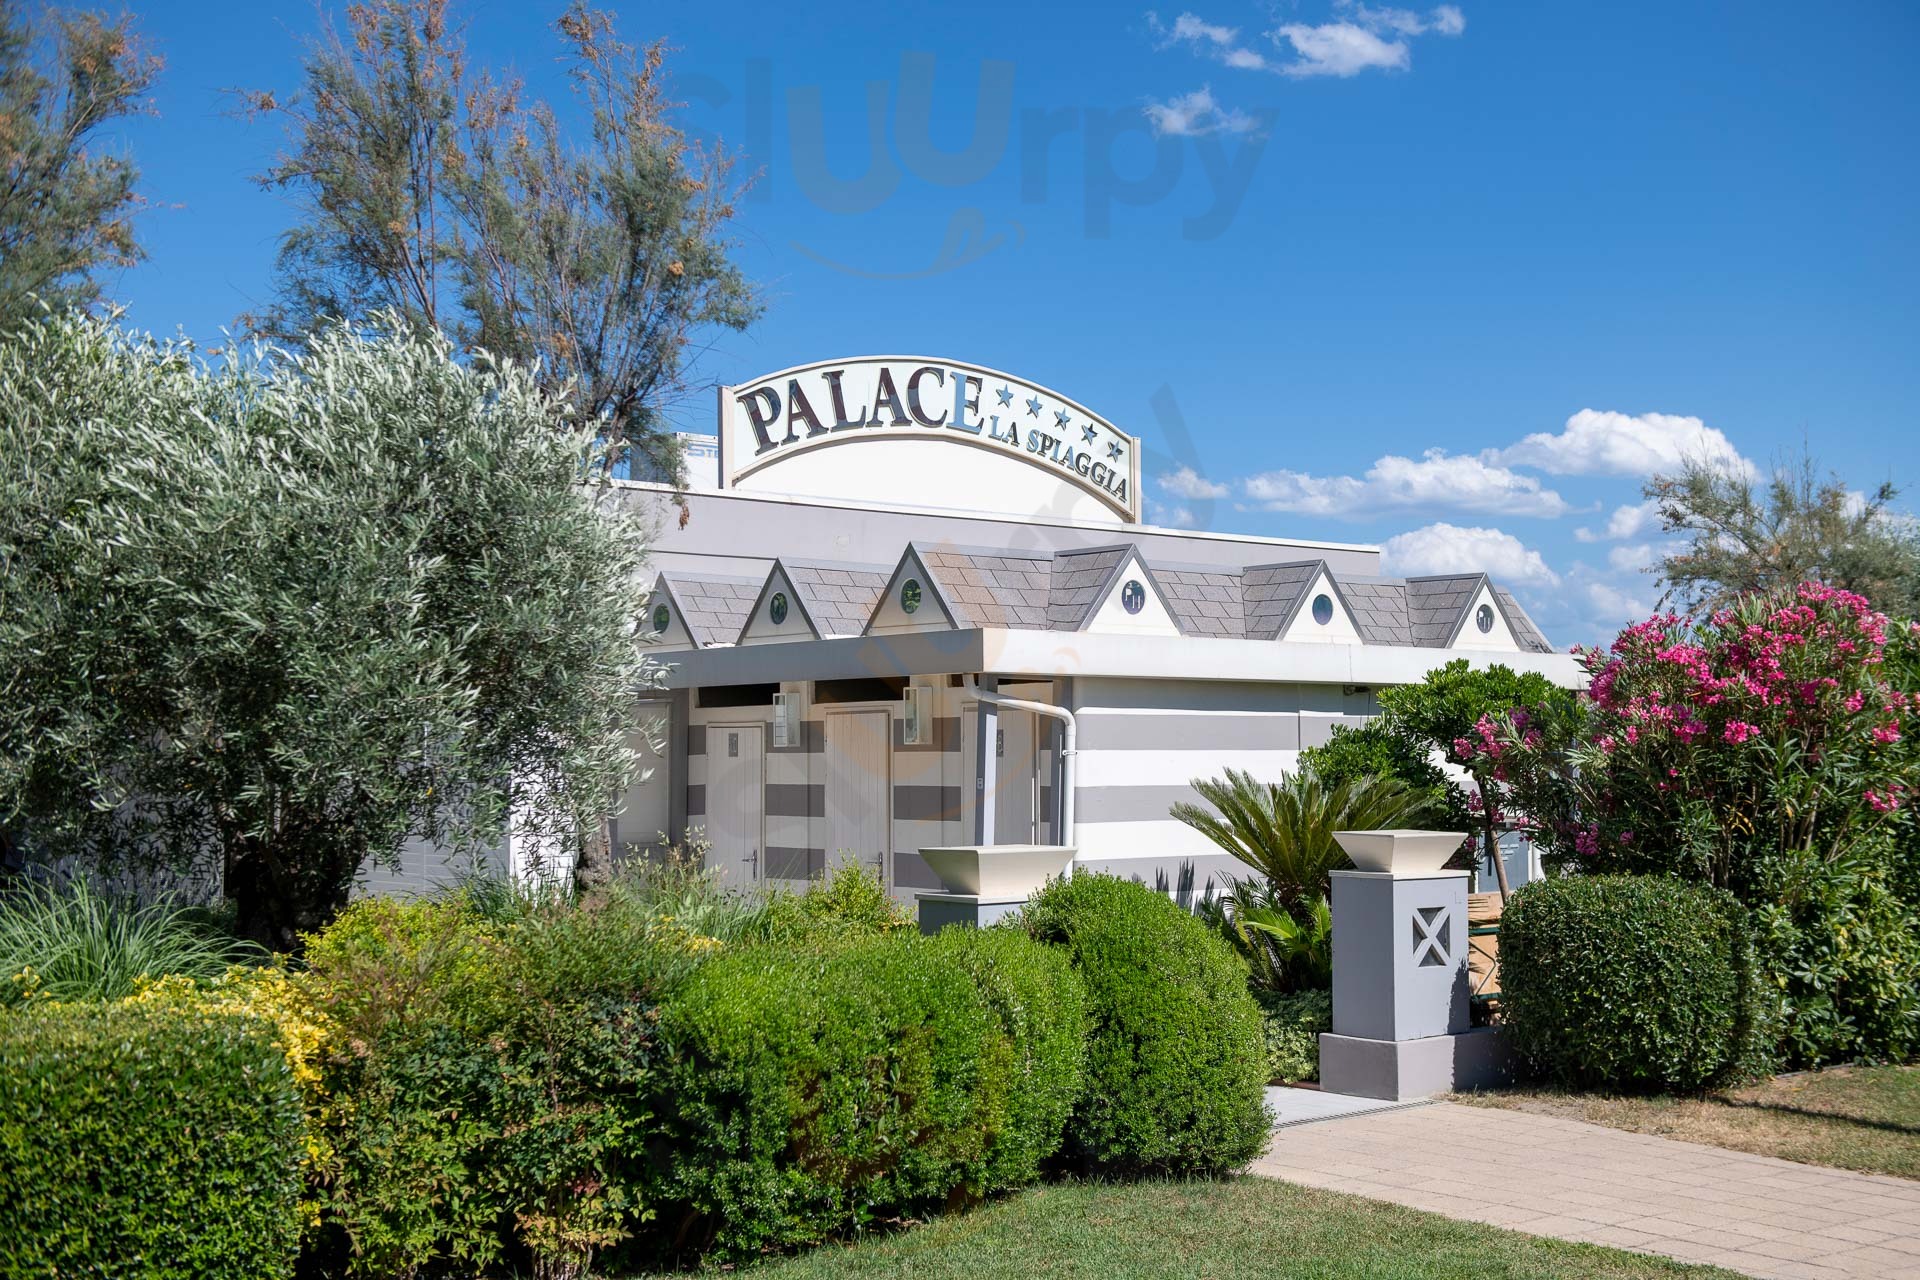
1401, 1021
986, 763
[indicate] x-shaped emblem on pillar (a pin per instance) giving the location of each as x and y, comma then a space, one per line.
1432, 936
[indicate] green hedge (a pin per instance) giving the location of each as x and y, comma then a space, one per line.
1631, 982
141, 1143
819, 1090
1042, 1006
1176, 1060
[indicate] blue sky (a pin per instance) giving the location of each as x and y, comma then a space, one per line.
1448, 279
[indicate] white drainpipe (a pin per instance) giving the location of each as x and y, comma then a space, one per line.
1067, 749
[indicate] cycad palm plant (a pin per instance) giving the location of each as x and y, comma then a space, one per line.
1284, 830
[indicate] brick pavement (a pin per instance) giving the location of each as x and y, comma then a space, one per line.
1554, 1177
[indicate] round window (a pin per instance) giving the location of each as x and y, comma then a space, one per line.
661, 617
1133, 596
777, 608
910, 595
1323, 609
1484, 618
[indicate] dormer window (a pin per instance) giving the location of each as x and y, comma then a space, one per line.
1323, 609
1133, 596
661, 617
1483, 619
777, 608
910, 595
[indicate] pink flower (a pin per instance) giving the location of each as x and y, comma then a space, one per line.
1887, 734
1738, 731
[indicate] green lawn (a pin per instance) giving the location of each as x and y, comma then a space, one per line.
1245, 1227
1864, 1118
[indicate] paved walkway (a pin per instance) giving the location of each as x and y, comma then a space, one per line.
1554, 1177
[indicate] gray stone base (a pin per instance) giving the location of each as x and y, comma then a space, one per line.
1402, 1069
938, 910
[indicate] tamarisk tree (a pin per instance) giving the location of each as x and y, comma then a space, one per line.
66, 201
451, 195
287, 611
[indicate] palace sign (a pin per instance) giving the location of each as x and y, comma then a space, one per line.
838, 402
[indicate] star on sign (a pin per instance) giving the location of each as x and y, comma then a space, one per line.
1033, 407
1089, 433
1060, 417
1113, 449
1006, 396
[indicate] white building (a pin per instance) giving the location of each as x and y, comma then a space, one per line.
888, 535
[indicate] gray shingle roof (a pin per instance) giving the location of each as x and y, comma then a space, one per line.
1272, 595
1078, 582
993, 589
1435, 605
983, 587
712, 607
1204, 602
838, 597
1379, 609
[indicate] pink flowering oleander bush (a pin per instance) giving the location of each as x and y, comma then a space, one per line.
1770, 751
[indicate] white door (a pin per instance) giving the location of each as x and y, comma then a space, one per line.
859, 790
736, 799
1016, 794
1018, 801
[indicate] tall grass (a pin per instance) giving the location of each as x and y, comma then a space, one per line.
83, 944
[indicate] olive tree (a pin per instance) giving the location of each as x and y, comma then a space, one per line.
286, 611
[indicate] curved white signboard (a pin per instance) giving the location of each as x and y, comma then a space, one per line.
1028, 448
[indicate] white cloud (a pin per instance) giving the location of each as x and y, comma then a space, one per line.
1438, 480
1193, 114
1169, 517
1339, 49
1361, 38
1447, 548
1597, 443
1447, 20
1188, 483
1635, 558
1209, 39
1611, 608
1626, 521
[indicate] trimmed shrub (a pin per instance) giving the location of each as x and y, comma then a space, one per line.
1042, 1006
1292, 1024
1176, 1062
819, 1090
148, 1143
1631, 983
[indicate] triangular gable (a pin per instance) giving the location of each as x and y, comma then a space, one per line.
931, 612
663, 622
1483, 623
1131, 602
1321, 614
779, 612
